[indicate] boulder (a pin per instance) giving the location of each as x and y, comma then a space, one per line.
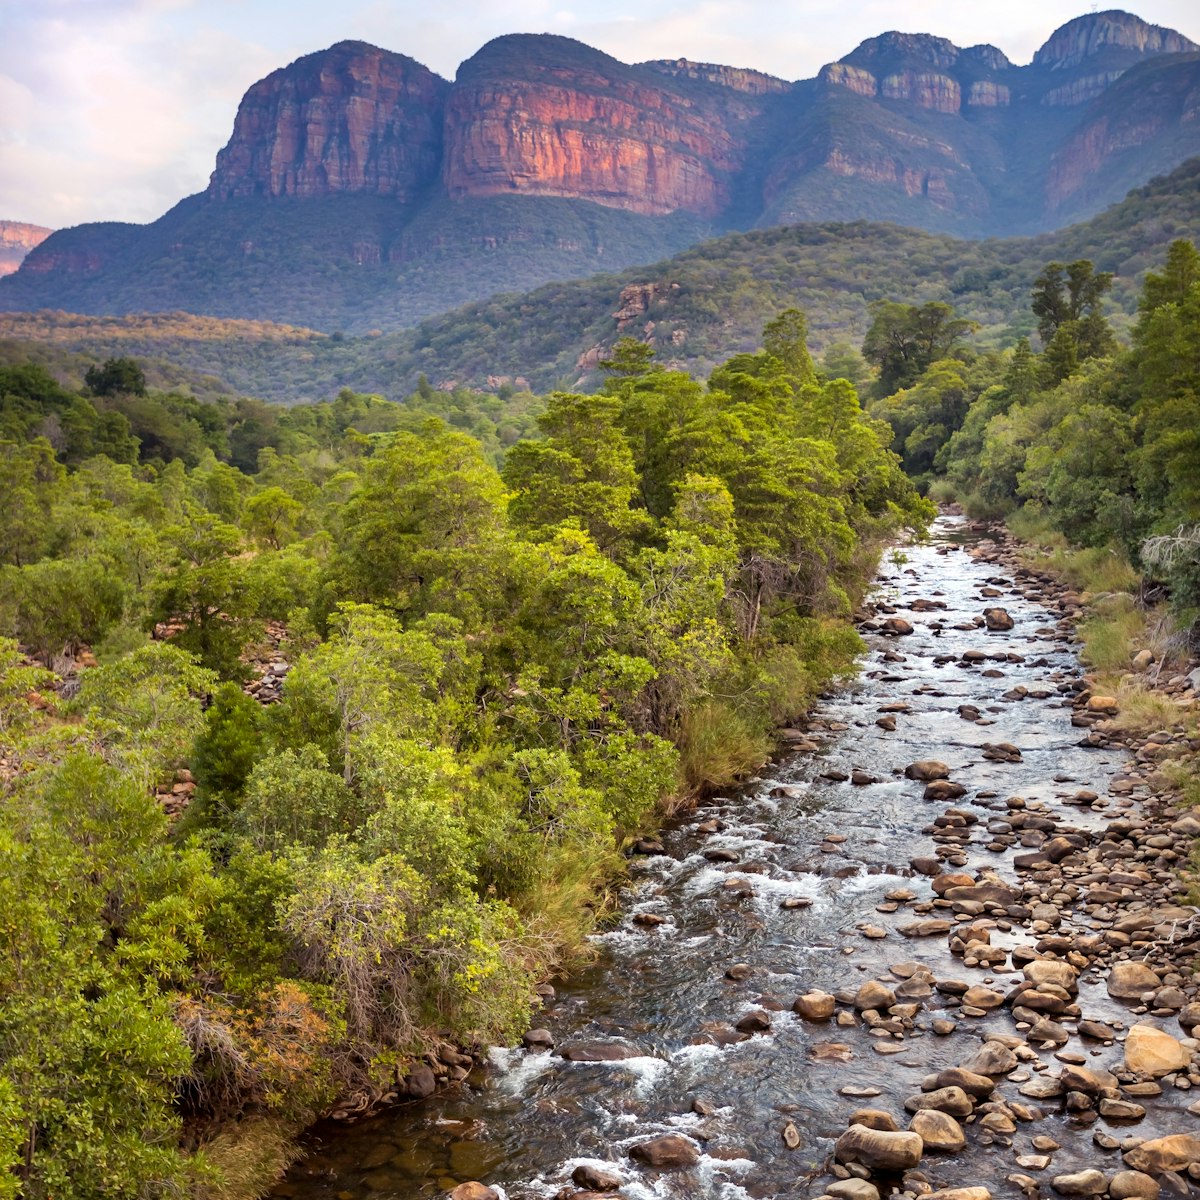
1133, 1185
949, 880
473, 1191
421, 1083
1050, 970
960, 1193
943, 789
1176, 1152
873, 1118
927, 769
852, 1189
1001, 752
896, 626
815, 1006
997, 619
1189, 1016
938, 1131
979, 1086
992, 1058
597, 1052
1150, 1051
879, 1149
538, 1039
596, 1178
1082, 1183
952, 1100
665, 1153
982, 997
874, 994
1129, 980
757, 1020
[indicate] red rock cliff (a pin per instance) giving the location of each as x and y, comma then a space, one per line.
546, 116
352, 118
16, 241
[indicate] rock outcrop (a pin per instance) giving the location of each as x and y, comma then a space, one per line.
352, 118
739, 79
551, 117
397, 165
16, 241
1090, 35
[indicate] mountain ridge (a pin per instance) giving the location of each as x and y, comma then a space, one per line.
361, 190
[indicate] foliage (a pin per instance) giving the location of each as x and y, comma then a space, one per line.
495, 677
116, 376
1102, 442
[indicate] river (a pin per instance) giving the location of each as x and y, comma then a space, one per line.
814, 887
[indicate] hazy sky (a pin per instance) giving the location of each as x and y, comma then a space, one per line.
115, 109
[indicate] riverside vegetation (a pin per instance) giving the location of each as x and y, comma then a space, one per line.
501, 664
494, 678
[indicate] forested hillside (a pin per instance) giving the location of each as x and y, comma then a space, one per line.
224, 912
695, 309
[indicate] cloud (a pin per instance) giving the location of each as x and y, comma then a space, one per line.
125, 111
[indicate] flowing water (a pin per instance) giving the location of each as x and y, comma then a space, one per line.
660, 993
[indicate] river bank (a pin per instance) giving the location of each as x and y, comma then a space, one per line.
839, 935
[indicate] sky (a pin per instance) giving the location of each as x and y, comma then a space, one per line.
114, 110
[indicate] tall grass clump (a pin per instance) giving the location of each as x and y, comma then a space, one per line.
719, 745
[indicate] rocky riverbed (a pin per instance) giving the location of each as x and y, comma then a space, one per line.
939, 947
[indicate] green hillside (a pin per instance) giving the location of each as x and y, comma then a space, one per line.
342, 262
700, 306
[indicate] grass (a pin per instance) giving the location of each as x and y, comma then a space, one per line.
1113, 634
719, 745
245, 1160
1143, 709
1095, 569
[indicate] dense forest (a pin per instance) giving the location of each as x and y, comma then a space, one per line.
506, 649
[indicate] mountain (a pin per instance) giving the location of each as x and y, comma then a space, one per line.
16, 241
695, 309
360, 191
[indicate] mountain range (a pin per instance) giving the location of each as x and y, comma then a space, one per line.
361, 191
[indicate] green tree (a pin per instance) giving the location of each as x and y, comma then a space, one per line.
786, 339
903, 340
89, 1054
1067, 302
583, 471
117, 375
145, 708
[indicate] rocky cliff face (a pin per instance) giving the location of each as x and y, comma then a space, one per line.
546, 158
16, 241
589, 127
1088, 36
1153, 100
352, 118
738, 79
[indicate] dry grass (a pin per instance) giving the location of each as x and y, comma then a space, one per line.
719, 746
1143, 710
245, 1160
